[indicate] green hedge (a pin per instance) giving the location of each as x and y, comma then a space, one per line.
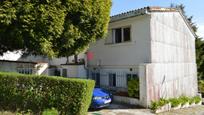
37, 93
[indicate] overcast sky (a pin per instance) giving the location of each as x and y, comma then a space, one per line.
193, 8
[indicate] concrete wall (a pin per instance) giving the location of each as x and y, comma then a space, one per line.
171, 39
172, 71
75, 71
124, 54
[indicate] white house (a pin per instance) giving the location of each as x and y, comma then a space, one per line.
41, 65
155, 44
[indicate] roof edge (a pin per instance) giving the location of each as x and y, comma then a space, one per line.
148, 10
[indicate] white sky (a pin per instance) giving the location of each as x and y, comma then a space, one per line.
201, 30
11, 56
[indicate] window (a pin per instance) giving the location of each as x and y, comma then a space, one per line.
96, 77
57, 72
121, 35
64, 72
131, 76
118, 35
112, 79
126, 34
25, 70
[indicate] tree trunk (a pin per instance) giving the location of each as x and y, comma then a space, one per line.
67, 62
75, 59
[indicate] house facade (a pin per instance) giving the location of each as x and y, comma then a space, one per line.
41, 65
155, 44
24, 67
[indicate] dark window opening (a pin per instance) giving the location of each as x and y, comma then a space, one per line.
126, 34
96, 77
56, 72
118, 35
64, 72
112, 80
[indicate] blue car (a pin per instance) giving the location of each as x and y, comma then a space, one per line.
101, 98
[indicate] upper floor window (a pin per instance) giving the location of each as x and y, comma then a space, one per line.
121, 34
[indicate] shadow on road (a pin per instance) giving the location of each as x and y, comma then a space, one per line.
116, 106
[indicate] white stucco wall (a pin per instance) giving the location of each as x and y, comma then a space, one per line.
124, 54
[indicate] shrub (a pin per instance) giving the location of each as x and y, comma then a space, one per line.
183, 100
196, 99
133, 87
157, 104
38, 93
174, 102
201, 86
191, 100
154, 105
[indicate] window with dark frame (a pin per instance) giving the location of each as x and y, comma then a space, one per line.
118, 35
126, 34
25, 70
64, 72
112, 79
121, 35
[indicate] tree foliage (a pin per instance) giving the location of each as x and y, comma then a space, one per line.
52, 27
199, 43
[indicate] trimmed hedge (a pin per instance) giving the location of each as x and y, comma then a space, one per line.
20, 92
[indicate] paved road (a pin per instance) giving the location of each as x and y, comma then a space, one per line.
119, 109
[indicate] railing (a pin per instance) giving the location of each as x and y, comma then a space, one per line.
111, 80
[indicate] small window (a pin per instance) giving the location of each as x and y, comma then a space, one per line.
121, 35
112, 80
131, 76
118, 35
64, 72
126, 34
24, 70
56, 72
96, 77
